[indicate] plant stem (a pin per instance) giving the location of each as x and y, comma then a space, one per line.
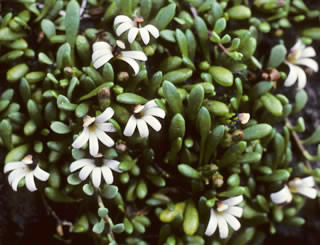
107, 218
298, 143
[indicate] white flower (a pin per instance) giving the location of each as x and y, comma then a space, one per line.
134, 27
143, 115
103, 52
297, 185
300, 55
28, 169
225, 214
244, 118
94, 128
96, 167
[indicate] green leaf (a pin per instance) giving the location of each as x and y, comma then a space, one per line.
73, 179
221, 75
60, 128
164, 16
314, 138
118, 228
48, 28
277, 56
103, 212
257, 131
63, 103
98, 227
182, 42
72, 21
173, 97
109, 191
272, 104
48, 5
81, 225
88, 189
131, 99
188, 171
95, 91
301, 100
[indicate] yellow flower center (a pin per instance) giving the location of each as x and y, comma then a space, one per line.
221, 207
89, 122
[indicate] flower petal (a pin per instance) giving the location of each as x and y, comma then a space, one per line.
102, 60
232, 221
14, 174
292, 76
212, 225
308, 52
102, 52
31, 186
308, 63
41, 174
82, 139
144, 35
299, 45
17, 179
104, 138
284, 195
113, 164
302, 77
233, 200
223, 227
308, 192
134, 65
137, 55
106, 127
130, 127
107, 175
12, 166
96, 176
143, 128
93, 144
154, 123
235, 211
308, 181
85, 171
80, 164
153, 30
123, 27
132, 34
105, 116
101, 45
121, 19
150, 104
157, 112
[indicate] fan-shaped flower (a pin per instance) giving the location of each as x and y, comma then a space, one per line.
103, 52
223, 215
94, 128
96, 167
300, 55
134, 27
28, 169
143, 115
297, 185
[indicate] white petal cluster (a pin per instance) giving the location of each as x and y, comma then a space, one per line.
134, 27
103, 52
89, 166
25, 169
94, 129
224, 214
300, 55
143, 115
302, 186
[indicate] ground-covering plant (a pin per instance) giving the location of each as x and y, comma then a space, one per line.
160, 122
